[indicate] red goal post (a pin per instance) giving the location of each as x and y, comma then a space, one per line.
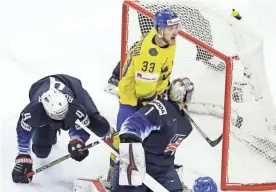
228, 94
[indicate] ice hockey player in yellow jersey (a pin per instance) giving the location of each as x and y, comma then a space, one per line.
148, 66
147, 69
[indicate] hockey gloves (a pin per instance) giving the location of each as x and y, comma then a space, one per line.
75, 148
24, 164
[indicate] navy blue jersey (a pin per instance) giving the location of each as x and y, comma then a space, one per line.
34, 116
162, 126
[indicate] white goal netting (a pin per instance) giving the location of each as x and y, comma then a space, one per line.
251, 150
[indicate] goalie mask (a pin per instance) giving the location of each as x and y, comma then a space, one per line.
55, 104
181, 90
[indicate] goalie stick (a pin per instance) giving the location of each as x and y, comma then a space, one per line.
59, 160
148, 181
212, 143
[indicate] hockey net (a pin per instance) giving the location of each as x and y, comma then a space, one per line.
225, 62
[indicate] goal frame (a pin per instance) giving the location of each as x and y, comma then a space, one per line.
128, 4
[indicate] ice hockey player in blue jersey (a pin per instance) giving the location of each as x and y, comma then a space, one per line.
56, 102
149, 139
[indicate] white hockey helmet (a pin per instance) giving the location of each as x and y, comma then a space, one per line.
55, 104
181, 90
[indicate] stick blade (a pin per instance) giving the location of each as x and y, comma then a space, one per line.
215, 142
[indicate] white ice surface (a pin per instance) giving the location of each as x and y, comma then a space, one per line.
82, 38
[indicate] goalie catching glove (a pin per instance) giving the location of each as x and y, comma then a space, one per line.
75, 148
23, 165
132, 161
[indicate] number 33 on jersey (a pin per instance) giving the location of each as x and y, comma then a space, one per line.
146, 71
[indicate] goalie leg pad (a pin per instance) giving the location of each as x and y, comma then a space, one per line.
88, 185
118, 188
132, 164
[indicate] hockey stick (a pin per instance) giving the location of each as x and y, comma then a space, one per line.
148, 181
212, 143
59, 160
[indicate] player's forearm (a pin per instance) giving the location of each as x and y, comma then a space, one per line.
24, 140
99, 125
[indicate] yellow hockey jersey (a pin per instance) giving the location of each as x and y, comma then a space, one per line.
146, 71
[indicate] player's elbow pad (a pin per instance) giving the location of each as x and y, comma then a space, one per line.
130, 138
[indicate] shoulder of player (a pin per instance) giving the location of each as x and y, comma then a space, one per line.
172, 107
77, 111
74, 106
166, 108
34, 114
174, 112
146, 42
33, 107
168, 112
160, 106
157, 111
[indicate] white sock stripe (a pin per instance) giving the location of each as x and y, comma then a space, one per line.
18, 170
27, 148
24, 160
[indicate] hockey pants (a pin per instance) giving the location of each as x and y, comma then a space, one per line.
43, 139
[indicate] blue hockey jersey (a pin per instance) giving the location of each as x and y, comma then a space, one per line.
34, 116
161, 126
